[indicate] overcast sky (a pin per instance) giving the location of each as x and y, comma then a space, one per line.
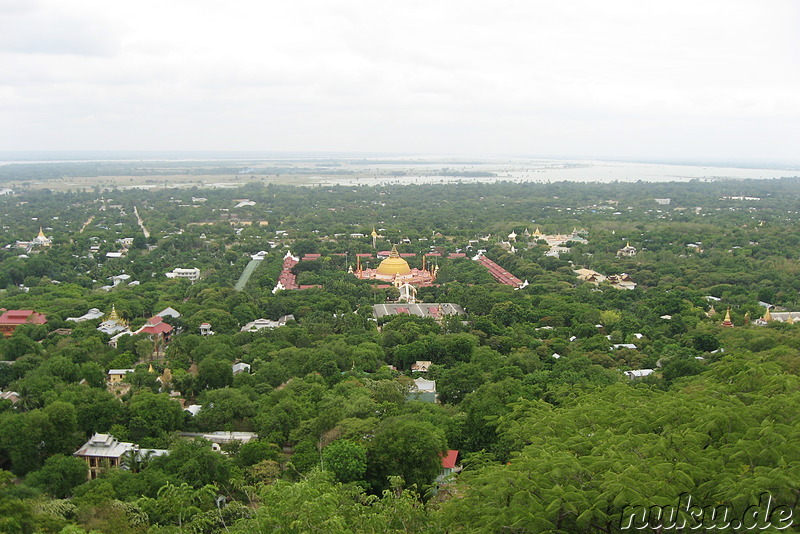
677, 79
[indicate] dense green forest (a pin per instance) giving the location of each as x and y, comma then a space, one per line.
552, 435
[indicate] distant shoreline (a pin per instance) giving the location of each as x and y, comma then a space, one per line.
355, 171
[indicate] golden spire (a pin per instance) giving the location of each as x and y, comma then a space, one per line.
150, 369
712, 311
358, 263
727, 322
41, 233
423, 262
394, 253
113, 316
790, 320
767, 316
374, 233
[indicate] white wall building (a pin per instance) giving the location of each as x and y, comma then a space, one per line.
192, 274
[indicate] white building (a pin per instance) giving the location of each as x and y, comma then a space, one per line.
191, 274
627, 251
260, 324
639, 373
241, 367
92, 314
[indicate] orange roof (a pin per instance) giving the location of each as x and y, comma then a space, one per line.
22, 317
160, 328
449, 459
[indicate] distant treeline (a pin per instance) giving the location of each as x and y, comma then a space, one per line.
56, 171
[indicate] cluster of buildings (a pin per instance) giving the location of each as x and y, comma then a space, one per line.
556, 242
617, 281
396, 271
115, 326
40, 240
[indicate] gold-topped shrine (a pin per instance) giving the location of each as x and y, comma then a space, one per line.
396, 270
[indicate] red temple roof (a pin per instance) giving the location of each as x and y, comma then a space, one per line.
22, 317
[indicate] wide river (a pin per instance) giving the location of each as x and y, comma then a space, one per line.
543, 171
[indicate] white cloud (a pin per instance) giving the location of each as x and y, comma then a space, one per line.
618, 78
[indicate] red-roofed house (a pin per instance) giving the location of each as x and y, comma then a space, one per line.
449, 461
11, 319
156, 327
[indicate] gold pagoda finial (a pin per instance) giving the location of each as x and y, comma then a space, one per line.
374, 233
767, 316
150, 369
727, 321
790, 319
394, 253
712, 312
41, 232
113, 316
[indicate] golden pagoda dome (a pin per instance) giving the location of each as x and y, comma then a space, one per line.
394, 264
113, 316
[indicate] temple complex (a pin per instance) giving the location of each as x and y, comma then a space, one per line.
395, 270
558, 239
41, 239
113, 323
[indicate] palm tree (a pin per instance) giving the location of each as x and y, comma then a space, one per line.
135, 460
27, 400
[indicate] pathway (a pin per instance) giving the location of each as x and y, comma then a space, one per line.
248, 271
87, 223
141, 223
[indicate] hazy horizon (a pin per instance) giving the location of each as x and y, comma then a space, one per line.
55, 156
